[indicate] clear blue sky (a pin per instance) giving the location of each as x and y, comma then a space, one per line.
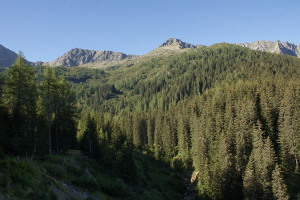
45, 29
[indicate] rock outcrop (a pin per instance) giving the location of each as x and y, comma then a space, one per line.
173, 43
77, 56
274, 47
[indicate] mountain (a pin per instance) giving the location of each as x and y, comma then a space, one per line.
172, 45
77, 56
7, 57
222, 111
104, 59
274, 47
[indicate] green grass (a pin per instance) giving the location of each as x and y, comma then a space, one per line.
22, 179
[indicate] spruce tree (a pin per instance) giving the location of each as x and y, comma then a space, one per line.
65, 114
268, 163
251, 186
183, 134
46, 101
158, 148
278, 186
150, 132
168, 138
89, 143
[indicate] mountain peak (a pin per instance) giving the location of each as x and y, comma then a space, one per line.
174, 43
78, 56
274, 47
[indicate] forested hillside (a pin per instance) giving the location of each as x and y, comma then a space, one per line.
227, 113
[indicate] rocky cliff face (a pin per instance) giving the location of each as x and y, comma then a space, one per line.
76, 57
7, 57
274, 47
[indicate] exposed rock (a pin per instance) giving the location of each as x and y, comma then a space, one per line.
7, 57
194, 176
274, 47
171, 46
176, 44
78, 56
83, 57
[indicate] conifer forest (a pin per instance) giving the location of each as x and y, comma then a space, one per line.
225, 116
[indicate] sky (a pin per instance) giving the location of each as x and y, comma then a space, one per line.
45, 29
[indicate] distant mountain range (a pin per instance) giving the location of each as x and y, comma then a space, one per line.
274, 47
76, 57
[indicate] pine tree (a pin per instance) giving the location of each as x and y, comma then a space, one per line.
157, 136
150, 132
168, 138
243, 125
289, 128
137, 131
5, 140
183, 133
64, 117
89, 143
268, 165
20, 99
278, 186
258, 146
46, 101
251, 186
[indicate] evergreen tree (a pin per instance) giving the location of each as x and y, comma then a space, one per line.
20, 99
5, 140
46, 101
89, 143
64, 119
137, 131
168, 138
158, 148
278, 186
150, 132
289, 128
268, 163
252, 187
183, 132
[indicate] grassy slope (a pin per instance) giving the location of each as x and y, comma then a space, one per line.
76, 177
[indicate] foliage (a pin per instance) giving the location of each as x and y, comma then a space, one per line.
227, 112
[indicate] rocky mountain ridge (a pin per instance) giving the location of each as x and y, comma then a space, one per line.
274, 47
77, 56
172, 45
